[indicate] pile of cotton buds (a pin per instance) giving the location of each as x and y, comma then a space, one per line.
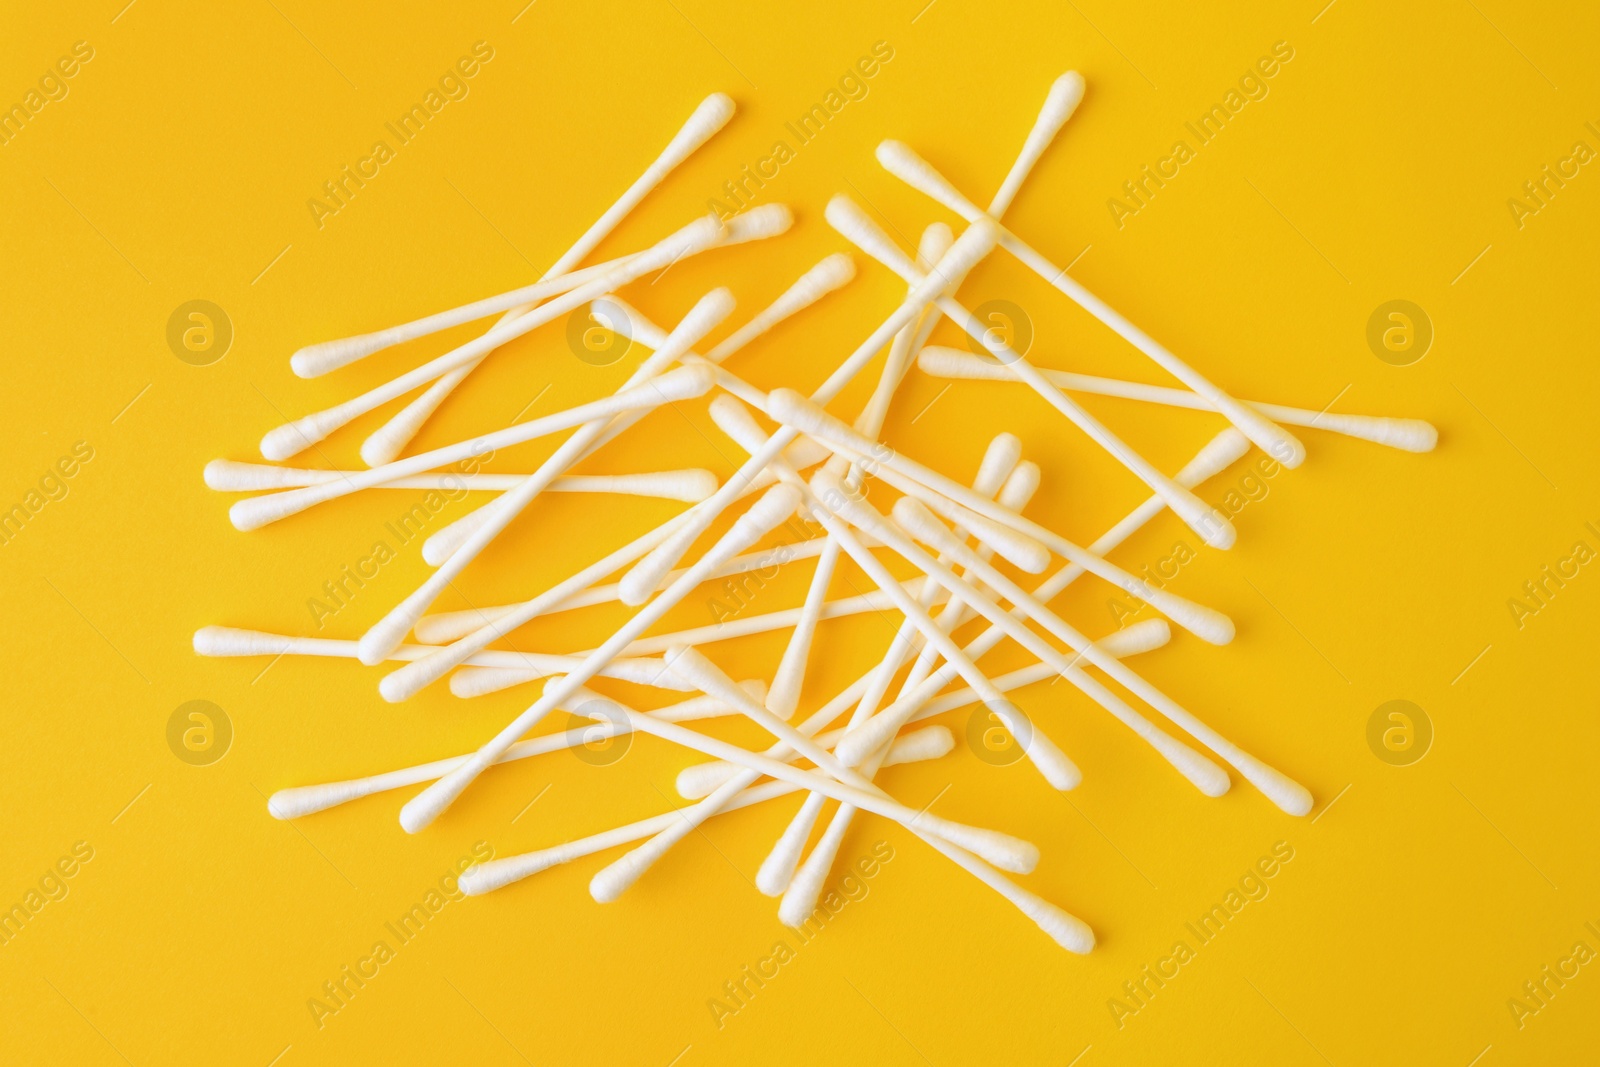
946, 530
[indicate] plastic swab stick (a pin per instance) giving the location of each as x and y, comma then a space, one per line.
1058, 107
1212, 459
1132, 640
1069, 932
610, 882
1059, 104
446, 626
1410, 435
290, 438
858, 744
318, 359
389, 439
1015, 494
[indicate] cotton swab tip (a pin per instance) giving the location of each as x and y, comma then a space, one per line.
999, 460
1066, 93
898, 159
999, 850
1067, 930
685, 383
227, 641
975, 242
710, 116
1218, 454
759, 223
1142, 636
313, 361
846, 216
775, 505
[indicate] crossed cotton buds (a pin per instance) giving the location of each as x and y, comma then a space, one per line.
812, 464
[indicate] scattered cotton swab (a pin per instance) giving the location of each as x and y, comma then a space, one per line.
916, 172
949, 532
298, 801
1410, 435
831, 273
687, 485
227, 641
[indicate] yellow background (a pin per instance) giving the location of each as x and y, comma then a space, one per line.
1378, 167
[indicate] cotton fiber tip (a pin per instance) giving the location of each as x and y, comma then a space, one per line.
775, 505
1208, 624
684, 383
975, 242
999, 460
227, 641
280, 443
712, 114
1067, 930
688, 663
1142, 636
698, 236
1000, 850
309, 799
316, 360
936, 241
472, 682
227, 476
1410, 435
930, 742
1020, 487
701, 779
1066, 93
1289, 795
614, 315
898, 159
1413, 435
801, 412
1219, 453
831, 273
709, 310
846, 216
759, 223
